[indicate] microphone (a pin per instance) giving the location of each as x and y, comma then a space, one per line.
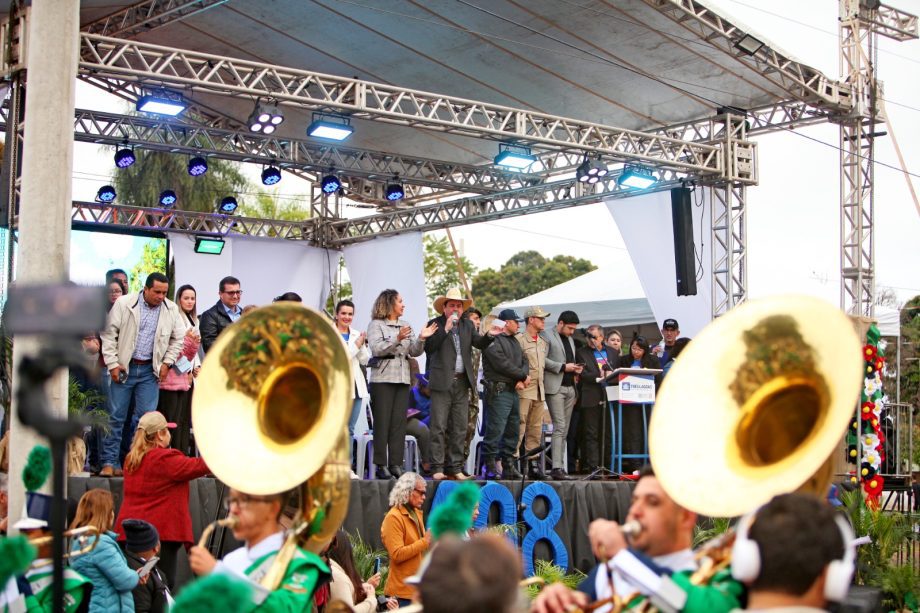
535, 451
631, 529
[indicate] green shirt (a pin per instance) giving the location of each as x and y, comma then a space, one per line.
303, 575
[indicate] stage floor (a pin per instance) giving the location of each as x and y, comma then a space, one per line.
582, 502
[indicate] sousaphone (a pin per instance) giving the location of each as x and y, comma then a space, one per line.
756, 405
270, 411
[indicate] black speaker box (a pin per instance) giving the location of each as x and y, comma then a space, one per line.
684, 259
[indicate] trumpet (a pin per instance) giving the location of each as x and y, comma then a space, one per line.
228, 522
631, 528
80, 535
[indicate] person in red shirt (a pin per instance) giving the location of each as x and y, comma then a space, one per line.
156, 488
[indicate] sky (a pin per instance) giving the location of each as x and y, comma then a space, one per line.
793, 214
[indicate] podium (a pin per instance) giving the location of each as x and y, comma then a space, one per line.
633, 388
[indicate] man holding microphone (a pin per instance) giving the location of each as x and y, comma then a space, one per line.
451, 376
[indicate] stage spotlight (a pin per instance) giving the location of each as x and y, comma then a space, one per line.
168, 198
106, 193
331, 184
591, 171
124, 157
328, 125
638, 177
210, 245
197, 166
514, 156
748, 44
227, 205
162, 104
265, 117
270, 175
395, 192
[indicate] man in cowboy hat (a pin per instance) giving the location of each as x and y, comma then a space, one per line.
451, 376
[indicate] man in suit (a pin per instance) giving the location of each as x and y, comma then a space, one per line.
142, 544
559, 379
451, 376
225, 312
593, 403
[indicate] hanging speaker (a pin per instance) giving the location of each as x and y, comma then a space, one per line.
684, 259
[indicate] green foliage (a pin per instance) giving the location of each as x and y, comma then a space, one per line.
16, 553
88, 405
153, 259
339, 291
37, 468
901, 586
215, 592
364, 555
154, 171
889, 531
910, 352
709, 529
271, 205
550, 573
441, 272
525, 273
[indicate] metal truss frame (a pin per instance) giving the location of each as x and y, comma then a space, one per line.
146, 16
130, 60
799, 81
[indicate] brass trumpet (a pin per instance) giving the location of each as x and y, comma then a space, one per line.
228, 522
81, 535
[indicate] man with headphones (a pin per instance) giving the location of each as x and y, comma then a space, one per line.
795, 554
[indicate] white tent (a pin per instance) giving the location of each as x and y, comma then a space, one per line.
889, 320
611, 297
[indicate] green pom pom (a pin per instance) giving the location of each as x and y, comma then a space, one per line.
455, 514
216, 592
16, 553
37, 468
873, 335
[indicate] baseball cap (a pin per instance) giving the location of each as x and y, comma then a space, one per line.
536, 311
670, 323
153, 422
509, 315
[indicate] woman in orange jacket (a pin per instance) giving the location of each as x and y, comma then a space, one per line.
404, 536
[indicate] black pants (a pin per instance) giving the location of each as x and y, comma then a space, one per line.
176, 406
389, 403
596, 426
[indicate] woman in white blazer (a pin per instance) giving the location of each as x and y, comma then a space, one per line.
357, 350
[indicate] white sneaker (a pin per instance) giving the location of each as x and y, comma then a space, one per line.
354, 475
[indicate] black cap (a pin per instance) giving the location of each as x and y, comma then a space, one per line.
509, 315
670, 323
139, 535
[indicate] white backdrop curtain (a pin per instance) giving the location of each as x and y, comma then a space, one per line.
645, 224
265, 267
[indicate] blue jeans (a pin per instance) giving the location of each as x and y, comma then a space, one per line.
355, 413
502, 426
143, 387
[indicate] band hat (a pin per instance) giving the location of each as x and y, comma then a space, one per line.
452, 294
509, 315
670, 323
153, 422
37, 512
139, 535
536, 311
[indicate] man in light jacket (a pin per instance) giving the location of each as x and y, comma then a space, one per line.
559, 378
142, 339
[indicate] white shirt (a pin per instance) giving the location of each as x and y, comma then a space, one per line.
677, 561
239, 560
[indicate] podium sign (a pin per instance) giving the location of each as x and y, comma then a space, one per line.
632, 385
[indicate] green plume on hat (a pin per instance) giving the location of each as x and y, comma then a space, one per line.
16, 553
455, 514
37, 468
216, 592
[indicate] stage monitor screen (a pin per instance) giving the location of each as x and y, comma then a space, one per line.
94, 253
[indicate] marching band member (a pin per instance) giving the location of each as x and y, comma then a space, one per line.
257, 525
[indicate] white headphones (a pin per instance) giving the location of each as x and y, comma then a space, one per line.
746, 558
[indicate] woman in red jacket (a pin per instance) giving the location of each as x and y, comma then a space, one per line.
156, 488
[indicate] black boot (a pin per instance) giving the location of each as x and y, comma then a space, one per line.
535, 470
490, 470
396, 471
382, 473
510, 469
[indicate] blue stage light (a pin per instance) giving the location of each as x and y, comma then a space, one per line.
331, 184
197, 166
514, 156
637, 177
106, 193
168, 198
227, 205
395, 192
124, 158
271, 175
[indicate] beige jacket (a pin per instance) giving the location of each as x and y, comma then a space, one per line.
341, 589
120, 335
535, 352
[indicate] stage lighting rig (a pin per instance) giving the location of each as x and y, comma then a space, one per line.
514, 156
209, 245
591, 171
331, 126
168, 198
637, 177
162, 103
227, 205
395, 190
331, 184
125, 157
106, 193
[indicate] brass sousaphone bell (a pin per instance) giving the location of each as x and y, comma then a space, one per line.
270, 411
756, 405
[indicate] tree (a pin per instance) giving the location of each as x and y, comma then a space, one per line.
525, 273
153, 259
441, 271
910, 353
155, 171
270, 205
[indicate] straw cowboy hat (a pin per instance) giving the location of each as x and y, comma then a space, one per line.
452, 294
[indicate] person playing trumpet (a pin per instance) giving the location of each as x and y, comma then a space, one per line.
647, 558
257, 524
